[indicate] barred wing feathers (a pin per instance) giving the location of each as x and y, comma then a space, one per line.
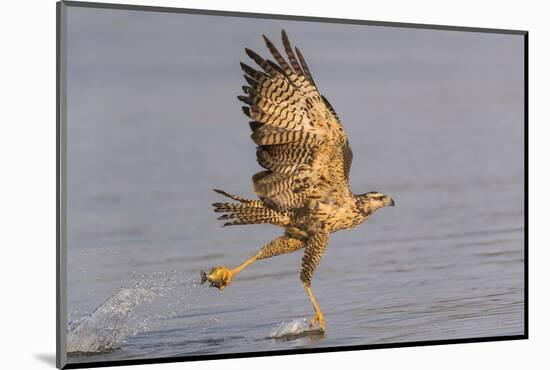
301, 142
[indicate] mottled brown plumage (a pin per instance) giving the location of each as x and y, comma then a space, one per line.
306, 155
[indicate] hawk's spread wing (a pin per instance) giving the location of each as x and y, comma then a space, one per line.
301, 142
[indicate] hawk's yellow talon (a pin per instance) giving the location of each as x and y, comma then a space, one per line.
319, 318
219, 277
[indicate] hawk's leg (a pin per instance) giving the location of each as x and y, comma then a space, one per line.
315, 248
221, 276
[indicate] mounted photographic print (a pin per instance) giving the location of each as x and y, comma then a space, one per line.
235, 184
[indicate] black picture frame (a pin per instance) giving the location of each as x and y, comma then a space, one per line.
61, 157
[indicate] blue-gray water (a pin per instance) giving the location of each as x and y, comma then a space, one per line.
435, 119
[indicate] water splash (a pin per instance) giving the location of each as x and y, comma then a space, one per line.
293, 328
112, 323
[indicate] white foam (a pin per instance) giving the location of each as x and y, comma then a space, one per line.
112, 323
292, 328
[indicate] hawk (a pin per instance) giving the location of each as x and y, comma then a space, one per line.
306, 155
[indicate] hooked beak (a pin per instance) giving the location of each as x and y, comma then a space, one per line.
392, 203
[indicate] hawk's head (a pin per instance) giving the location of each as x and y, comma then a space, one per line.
370, 202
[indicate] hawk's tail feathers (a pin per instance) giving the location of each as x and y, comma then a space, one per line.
234, 197
248, 212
